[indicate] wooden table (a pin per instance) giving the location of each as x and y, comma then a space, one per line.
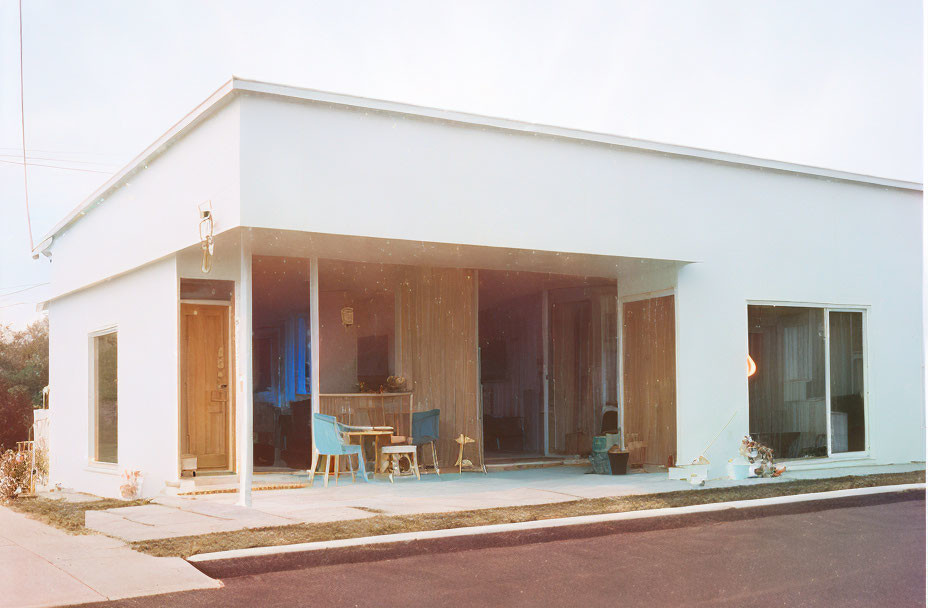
378, 434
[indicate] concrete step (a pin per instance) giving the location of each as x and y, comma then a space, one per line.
536, 464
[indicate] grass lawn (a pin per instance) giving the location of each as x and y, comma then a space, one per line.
70, 515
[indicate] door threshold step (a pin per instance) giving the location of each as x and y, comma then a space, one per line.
264, 487
537, 464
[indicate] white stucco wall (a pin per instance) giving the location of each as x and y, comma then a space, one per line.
818, 243
142, 305
155, 213
756, 234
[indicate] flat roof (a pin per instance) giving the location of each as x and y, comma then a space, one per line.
235, 85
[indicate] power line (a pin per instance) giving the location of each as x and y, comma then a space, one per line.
22, 290
61, 160
45, 151
22, 119
22, 285
16, 162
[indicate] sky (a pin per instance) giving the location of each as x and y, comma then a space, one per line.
834, 84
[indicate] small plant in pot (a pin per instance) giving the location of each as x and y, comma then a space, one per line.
131, 488
760, 458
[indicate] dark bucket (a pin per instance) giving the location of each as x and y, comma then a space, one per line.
618, 462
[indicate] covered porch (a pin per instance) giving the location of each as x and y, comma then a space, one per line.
522, 351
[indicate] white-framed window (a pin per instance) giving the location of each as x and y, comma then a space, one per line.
103, 397
808, 397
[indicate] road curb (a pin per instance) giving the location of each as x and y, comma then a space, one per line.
238, 562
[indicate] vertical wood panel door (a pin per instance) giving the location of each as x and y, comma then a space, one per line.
206, 373
570, 406
649, 380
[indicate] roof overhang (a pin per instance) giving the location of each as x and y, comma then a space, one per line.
239, 85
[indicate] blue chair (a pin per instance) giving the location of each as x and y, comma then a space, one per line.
330, 439
425, 431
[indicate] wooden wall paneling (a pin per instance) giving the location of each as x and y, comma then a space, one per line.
665, 374
649, 379
636, 324
439, 351
570, 424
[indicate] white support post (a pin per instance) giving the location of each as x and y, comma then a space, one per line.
314, 342
244, 401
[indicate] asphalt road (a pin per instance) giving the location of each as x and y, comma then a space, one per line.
868, 555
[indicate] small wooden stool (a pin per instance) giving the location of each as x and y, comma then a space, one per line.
393, 454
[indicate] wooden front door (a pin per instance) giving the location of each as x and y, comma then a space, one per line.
649, 380
570, 407
206, 377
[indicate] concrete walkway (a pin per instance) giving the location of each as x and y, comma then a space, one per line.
43, 566
173, 516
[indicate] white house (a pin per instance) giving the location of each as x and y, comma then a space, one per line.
536, 284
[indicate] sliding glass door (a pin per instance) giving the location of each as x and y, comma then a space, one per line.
846, 378
807, 396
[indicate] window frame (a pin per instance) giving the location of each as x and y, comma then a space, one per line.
827, 309
92, 462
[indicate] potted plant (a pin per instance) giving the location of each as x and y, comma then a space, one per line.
760, 459
131, 488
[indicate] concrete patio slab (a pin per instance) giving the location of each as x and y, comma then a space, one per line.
42, 566
187, 515
302, 513
147, 522
157, 515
